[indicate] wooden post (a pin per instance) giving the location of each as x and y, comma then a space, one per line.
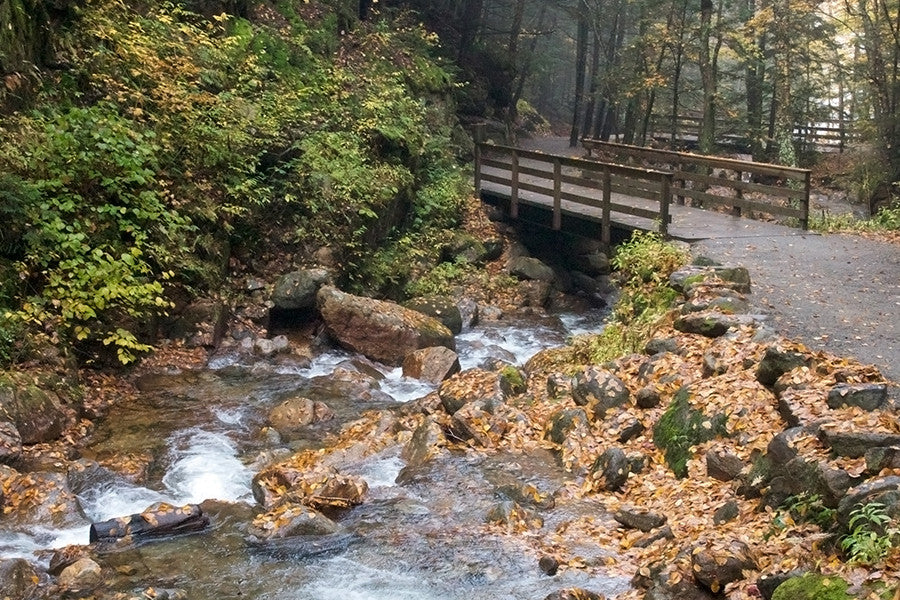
665, 197
557, 195
606, 225
514, 187
478, 134
739, 194
804, 207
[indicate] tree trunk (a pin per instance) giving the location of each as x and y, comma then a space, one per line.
708, 123
580, 67
591, 107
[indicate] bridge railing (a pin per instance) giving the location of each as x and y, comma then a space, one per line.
712, 182
575, 181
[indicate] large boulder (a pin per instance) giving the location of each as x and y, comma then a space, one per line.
37, 413
442, 308
10, 443
297, 290
380, 330
433, 365
715, 566
18, 578
526, 267
290, 519
202, 323
293, 414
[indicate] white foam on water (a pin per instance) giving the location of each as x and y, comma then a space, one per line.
404, 389
521, 342
344, 579
381, 472
206, 467
112, 500
591, 321
230, 415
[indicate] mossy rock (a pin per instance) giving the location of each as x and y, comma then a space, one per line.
681, 427
812, 587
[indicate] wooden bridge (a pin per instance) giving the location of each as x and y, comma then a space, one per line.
681, 197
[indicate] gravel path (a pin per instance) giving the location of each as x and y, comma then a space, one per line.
839, 293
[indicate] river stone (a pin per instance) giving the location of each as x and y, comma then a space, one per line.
885, 490
266, 347
289, 520
647, 397
566, 422
686, 277
532, 269
380, 330
296, 413
639, 518
777, 362
84, 573
39, 498
469, 386
433, 365
708, 324
801, 476
878, 459
297, 290
442, 308
468, 312
868, 396
661, 345
599, 390
723, 466
18, 578
854, 444
10, 443
663, 533
534, 293
318, 488
592, 264
476, 423
425, 442
714, 567
611, 469
509, 512
548, 565
38, 414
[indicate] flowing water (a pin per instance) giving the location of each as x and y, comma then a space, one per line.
197, 438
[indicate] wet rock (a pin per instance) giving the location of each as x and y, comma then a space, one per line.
202, 323
442, 308
266, 347
468, 312
566, 422
723, 466
782, 448
715, 567
599, 390
426, 441
476, 423
469, 386
854, 444
18, 578
293, 414
431, 364
884, 490
868, 396
297, 290
10, 443
63, 557
289, 520
380, 330
532, 269
777, 362
611, 469
534, 293
39, 498
512, 381
320, 488
38, 414
726, 513
685, 278
727, 305
548, 565
526, 494
639, 518
509, 512
647, 397
83, 574
158, 521
878, 459
592, 264
637, 462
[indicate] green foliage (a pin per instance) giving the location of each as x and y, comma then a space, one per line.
870, 536
440, 279
172, 137
887, 219
683, 426
812, 587
647, 258
809, 508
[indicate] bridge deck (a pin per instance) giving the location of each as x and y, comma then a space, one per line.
687, 223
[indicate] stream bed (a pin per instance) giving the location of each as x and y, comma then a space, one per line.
200, 436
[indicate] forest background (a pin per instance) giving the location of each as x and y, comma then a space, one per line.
149, 149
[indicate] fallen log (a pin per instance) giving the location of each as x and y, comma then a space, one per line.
159, 520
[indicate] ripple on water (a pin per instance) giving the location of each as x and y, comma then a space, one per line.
206, 467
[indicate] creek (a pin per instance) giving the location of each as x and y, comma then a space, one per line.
197, 435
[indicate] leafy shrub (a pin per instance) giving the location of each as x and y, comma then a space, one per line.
870, 536
647, 258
